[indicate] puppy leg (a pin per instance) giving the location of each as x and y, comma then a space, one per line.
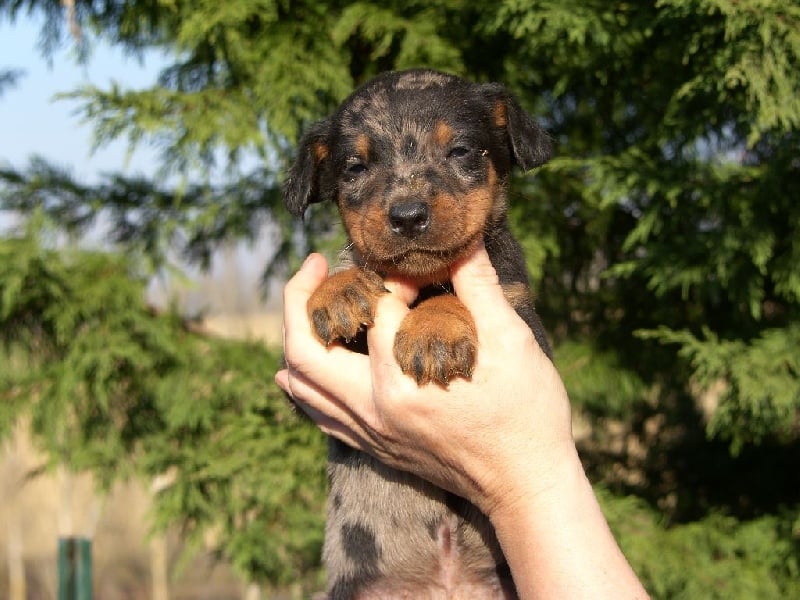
344, 303
437, 341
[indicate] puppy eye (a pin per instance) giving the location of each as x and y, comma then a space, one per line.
458, 152
353, 170
356, 169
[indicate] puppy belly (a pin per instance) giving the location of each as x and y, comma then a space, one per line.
391, 536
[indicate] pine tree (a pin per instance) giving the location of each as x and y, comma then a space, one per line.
678, 178
110, 387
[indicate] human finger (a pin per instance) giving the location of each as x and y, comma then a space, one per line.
390, 311
298, 290
330, 415
333, 367
403, 289
475, 280
341, 372
477, 285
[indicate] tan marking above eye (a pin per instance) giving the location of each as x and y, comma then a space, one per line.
443, 134
362, 146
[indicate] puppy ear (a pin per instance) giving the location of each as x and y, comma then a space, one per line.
302, 186
529, 143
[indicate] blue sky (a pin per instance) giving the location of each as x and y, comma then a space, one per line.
33, 122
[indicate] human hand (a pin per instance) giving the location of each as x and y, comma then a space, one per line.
493, 439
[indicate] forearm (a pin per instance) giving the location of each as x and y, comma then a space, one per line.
558, 543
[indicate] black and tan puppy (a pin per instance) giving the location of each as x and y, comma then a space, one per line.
418, 163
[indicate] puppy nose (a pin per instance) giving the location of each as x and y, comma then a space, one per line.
409, 218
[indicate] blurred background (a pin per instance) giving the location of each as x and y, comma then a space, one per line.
143, 245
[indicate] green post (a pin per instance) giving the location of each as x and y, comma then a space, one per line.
74, 568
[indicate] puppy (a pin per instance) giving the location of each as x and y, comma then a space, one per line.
418, 163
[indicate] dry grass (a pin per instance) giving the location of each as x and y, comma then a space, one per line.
37, 511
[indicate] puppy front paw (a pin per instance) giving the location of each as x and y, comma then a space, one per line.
344, 303
437, 341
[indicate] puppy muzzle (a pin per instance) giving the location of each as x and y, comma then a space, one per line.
410, 219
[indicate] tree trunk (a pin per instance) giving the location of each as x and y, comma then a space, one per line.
12, 479
252, 592
16, 559
159, 571
159, 555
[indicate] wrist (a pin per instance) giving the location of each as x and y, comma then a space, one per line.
557, 540
532, 482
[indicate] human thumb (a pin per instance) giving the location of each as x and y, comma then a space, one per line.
298, 290
476, 282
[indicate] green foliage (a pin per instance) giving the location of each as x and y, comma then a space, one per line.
407, 38
758, 381
673, 201
241, 463
111, 387
717, 557
758, 48
93, 350
589, 373
142, 216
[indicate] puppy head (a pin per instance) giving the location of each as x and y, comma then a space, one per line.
417, 162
